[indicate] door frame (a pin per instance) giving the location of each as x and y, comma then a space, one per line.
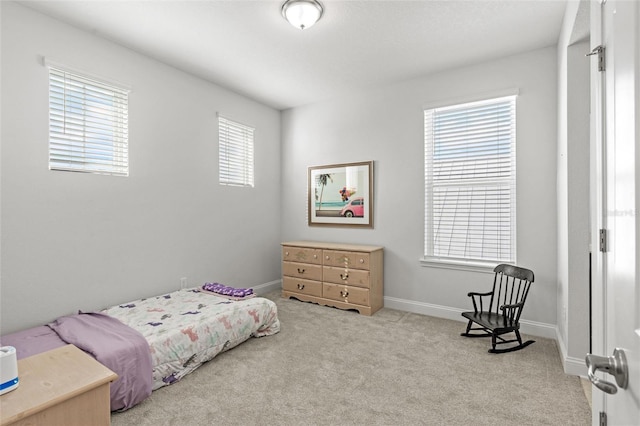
598, 187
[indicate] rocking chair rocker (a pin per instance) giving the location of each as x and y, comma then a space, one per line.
510, 289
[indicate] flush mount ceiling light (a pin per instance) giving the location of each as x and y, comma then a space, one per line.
302, 13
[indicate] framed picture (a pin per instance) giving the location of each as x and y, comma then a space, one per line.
341, 195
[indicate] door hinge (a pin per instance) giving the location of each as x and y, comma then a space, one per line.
599, 50
603, 240
603, 418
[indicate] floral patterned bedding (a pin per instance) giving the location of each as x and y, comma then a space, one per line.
187, 328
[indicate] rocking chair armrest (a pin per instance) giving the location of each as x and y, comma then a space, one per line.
473, 293
510, 312
511, 306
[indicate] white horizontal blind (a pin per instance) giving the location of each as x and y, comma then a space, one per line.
470, 173
235, 153
88, 125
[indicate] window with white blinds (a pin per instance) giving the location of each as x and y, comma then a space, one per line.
470, 182
235, 153
88, 124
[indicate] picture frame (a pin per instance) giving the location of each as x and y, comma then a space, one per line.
341, 195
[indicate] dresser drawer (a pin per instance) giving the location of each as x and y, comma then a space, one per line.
297, 285
345, 276
302, 270
347, 294
302, 255
350, 259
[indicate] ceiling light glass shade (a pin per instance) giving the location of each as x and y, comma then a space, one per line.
302, 13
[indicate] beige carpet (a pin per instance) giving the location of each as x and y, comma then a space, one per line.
333, 367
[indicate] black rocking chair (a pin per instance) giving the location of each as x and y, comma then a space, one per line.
510, 288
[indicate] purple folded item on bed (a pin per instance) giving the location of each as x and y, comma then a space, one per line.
227, 290
116, 346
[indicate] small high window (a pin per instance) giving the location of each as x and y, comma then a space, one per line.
88, 124
235, 153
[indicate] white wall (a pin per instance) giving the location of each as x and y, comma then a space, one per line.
573, 188
386, 125
75, 241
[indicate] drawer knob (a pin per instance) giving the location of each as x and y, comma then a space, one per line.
344, 293
361, 260
300, 286
345, 276
286, 253
327, 258
315, 256
300, 271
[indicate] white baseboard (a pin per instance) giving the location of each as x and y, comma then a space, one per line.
572, 365
267, 287
527, 327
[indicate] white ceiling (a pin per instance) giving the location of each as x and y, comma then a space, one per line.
248, 47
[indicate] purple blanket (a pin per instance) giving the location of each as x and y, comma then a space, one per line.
32, 341
116, 346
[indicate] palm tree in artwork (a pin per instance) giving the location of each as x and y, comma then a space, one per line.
322, 180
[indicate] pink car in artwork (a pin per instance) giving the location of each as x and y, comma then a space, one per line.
354, 208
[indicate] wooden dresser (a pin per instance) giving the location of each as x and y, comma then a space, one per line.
346, 276
63, 386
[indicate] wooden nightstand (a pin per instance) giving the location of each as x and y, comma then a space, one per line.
64, 386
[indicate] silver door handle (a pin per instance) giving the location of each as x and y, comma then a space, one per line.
616, 365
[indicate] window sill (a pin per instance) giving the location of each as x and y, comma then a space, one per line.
459, 265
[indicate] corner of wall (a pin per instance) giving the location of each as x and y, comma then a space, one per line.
571, 365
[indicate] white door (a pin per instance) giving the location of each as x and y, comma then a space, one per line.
615, 198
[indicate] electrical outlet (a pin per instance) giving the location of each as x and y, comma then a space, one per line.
183, 282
